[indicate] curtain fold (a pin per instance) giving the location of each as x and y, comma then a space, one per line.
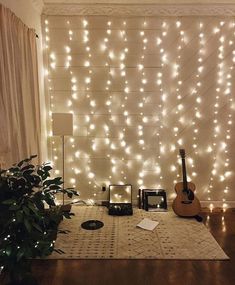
20, 130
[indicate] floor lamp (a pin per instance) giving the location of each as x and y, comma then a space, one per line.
62, 125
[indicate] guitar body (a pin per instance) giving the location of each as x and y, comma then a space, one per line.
182, 206
186, 203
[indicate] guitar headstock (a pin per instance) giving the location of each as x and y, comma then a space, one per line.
182, 153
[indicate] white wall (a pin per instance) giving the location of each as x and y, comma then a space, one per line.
29, 11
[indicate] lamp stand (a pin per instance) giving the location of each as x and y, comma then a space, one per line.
62, 125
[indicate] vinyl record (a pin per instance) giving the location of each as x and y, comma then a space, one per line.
92, 225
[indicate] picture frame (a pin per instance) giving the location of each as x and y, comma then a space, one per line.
120, 199
153, 200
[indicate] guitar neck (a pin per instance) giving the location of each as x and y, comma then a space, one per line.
185, 182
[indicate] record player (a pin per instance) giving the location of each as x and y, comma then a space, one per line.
120, 200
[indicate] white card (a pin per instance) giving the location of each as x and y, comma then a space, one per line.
147, 224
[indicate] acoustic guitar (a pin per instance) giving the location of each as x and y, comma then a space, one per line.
186, 203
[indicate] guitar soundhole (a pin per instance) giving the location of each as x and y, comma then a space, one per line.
189, 194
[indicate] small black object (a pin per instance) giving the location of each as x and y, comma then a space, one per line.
198, 218
103, 188
105, 203
92, 225
120, 209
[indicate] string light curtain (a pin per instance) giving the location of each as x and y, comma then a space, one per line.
140, 88
19, 100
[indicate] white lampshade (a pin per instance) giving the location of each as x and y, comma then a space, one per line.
62, 124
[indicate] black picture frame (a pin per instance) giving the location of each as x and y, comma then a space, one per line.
154, 200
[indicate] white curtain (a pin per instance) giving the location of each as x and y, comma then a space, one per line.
19, 91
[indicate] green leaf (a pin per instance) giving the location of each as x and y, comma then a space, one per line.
39, 205
32, 208
28, 172
14, 169
38, 195
56, 181
21, 181
28, 252
45, 175
54, 187
37, 180
19, 216
50, 201
29, 178
75, 192
70, 192
20, 254
9, 202
48, 182
30, 166
40, 172
37, 227
21, 163
33, 156
8, 250
14, 207
47, 168
26, 210
27, 225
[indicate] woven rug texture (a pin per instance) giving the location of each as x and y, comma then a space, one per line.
173, 238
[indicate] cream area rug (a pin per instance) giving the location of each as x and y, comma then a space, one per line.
173, 238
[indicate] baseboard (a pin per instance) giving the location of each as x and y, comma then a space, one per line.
205, 204
218, 204
213, 204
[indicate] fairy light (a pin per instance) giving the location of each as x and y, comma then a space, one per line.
52, 66
227, 87
141, 105
197, 99
142, 87
179, 109
217, 127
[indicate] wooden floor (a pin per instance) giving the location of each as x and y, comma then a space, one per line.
148, 272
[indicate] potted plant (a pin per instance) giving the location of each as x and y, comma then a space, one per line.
27, 228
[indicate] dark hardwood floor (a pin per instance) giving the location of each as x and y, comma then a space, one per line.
149, 272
